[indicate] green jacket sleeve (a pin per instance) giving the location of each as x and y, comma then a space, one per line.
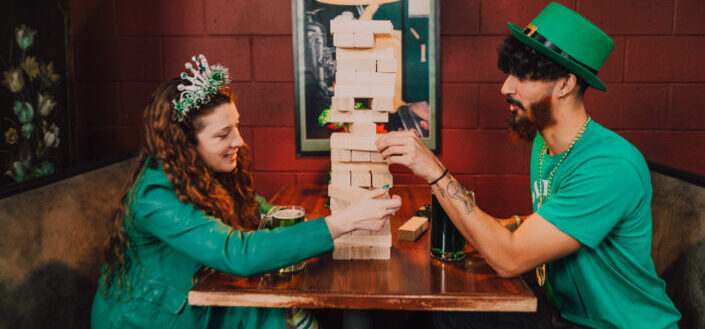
264, 206
156, 209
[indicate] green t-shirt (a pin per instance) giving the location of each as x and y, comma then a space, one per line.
601, 196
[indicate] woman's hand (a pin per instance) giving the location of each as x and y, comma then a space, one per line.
407, 149
371, 212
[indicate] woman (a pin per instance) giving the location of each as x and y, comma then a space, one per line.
190, 209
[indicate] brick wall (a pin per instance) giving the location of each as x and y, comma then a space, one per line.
655, 77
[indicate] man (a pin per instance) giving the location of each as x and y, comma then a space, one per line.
591, 189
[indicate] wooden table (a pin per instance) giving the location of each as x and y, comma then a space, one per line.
409, 280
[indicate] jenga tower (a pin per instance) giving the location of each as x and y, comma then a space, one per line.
365, 74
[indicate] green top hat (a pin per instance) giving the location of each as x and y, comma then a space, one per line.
569, 39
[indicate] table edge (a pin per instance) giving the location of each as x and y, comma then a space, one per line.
355, 301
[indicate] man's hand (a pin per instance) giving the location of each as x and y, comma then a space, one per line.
405, 148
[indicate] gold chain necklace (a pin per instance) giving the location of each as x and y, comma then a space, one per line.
553, 171
541, 270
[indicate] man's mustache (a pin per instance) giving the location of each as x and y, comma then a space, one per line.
515, 102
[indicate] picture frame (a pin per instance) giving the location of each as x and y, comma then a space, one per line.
416, 41
35, 116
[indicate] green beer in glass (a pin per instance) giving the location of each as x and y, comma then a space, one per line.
447, 243
282, 216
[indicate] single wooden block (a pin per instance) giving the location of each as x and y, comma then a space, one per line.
371, 26
360, 156
364, 78
339, 103
382, 104
374, 167
413, 228
363, 128
344, 39
340, 155
381, 179
347, 193
341, 178
352, 142
364, 91
374, 53
387, 65
338, 204
361, 178
364, 39
356, 65
376, 157
358, 116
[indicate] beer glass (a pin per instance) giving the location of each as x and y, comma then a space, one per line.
447, 243
282, 216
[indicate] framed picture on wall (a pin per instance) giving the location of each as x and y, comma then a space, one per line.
34, 93
415, 40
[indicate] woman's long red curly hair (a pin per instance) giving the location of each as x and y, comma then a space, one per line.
228, 196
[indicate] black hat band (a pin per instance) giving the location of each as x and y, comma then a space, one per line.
531, 32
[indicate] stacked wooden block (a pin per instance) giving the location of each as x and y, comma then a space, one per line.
366, 75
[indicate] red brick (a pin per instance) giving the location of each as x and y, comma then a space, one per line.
265, 104
483, 152
470, 59
134, 97
613, 69
96, 103
459, 108
318, 178
93, 17
276, 151
248, 17
650, 143
629, 106
273, 58
118, 59
503, 196
686, 107
684, 151
268, 183
629, 17
98, 143
496, 13
689, 17
181, 17
494, 110
460, 17
665, 59
232, 52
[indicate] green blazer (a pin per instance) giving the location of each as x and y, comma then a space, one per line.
173, 239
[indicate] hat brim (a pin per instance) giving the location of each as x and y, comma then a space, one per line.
589, 77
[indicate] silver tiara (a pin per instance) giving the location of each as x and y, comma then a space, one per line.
205, 82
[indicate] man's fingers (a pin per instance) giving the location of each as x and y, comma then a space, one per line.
386, 141
395, 150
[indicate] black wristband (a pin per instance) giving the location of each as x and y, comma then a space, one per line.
439, 178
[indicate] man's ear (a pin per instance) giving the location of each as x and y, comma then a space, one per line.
567, 85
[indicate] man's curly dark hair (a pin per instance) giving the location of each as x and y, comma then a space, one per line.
524, 62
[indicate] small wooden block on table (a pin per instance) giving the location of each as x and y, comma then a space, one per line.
413, 228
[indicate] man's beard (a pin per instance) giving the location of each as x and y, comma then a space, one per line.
538, 117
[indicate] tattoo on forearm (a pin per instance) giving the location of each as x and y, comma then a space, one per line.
457, 192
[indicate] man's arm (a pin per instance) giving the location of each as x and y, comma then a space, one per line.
535, 242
